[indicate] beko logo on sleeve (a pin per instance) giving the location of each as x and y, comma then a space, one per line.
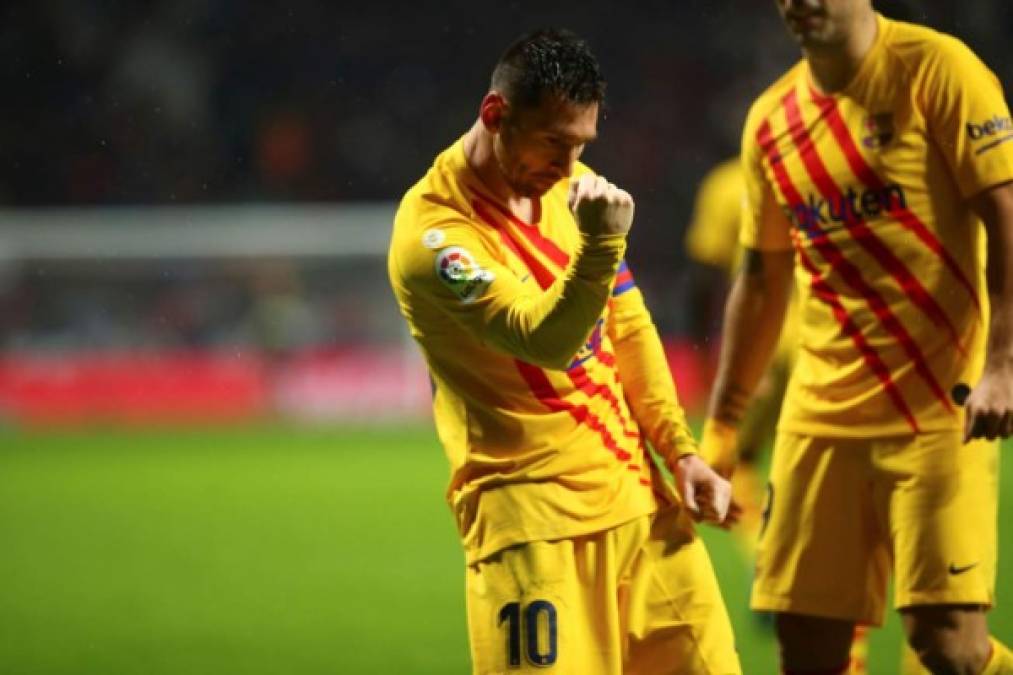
996, 125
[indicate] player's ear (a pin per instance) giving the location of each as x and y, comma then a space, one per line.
492, 111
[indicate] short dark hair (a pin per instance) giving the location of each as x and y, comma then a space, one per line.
553, 61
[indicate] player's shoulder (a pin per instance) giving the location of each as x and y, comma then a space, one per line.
923, 51
435, 204
770, 100
727, 173
438, 195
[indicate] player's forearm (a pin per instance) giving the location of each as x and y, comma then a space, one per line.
999, 272
754, 314
995, 207
650, 392
549, 329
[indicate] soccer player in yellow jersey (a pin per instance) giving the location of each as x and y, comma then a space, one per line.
878, 170
549, 383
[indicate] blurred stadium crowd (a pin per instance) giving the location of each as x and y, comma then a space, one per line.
213, 101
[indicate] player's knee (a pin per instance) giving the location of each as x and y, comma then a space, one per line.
948, 641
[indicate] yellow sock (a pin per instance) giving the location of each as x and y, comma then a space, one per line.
1001, 661
860, 651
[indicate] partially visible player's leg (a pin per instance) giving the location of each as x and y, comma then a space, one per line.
941, 500
948, 638
822, 560
546, 606
676, 621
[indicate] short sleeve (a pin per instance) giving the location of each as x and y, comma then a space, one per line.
763, 224
967, 116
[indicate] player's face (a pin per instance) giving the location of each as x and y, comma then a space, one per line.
536, 147
821, 23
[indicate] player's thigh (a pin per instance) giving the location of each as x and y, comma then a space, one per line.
675, 617
529, 610
823, 549
943, 509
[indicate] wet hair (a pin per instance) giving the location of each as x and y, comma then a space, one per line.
548, 61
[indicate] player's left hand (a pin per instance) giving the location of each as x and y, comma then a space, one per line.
989, 407
707, 495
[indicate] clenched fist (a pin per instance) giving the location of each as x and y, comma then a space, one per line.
599, 206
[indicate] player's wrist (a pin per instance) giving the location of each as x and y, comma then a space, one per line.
600, 256
719, 443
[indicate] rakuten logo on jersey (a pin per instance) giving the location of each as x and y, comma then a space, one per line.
990, 127
819, 215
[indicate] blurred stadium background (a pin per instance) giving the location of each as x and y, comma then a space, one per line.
215, 449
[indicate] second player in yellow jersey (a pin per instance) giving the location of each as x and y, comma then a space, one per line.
877, 169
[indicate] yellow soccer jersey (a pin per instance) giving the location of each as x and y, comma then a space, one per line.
713, 234
548, 373
872, 182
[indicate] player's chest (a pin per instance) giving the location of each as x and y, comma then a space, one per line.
539, 254
840, 162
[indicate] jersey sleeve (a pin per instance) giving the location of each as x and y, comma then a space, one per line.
967, 116
453, 273
763, 225
644, 372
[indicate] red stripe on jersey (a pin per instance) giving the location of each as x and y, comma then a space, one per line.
903, 215
856, 225
837, 261
542, 275
578, 375
606, 359
546, 246
546, 394
861, 233
827, 294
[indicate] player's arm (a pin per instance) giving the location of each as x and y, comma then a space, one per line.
484, 298
756, 305
754, 314
651, 395
990, 404
969, 120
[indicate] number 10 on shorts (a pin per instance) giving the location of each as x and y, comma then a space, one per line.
538, 635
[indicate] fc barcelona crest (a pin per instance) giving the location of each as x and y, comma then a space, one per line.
878, 130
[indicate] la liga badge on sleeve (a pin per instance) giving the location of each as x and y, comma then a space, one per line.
459, 272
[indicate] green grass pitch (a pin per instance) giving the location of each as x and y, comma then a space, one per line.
264, 550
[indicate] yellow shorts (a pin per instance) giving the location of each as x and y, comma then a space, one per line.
843, 513
639, 598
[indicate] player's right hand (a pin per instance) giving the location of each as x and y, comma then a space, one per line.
599, 206
707, 496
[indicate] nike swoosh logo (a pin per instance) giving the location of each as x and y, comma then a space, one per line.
960, 570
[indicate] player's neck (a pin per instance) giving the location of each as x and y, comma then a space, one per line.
834, 66
481, 159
